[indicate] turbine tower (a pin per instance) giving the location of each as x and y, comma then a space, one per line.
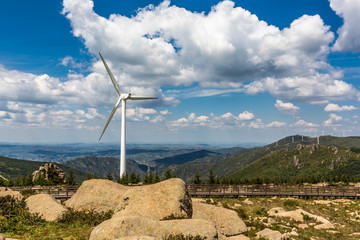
123, 97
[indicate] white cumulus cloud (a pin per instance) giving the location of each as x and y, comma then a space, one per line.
246, 115
287, 107
303, 123
331, 107
349, 32
166, 45
333, 120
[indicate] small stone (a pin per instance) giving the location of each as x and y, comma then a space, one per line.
269, 234
248, 202
303, 226
271, 220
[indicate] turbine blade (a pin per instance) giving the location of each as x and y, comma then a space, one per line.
141, 98
110, 116
113, 80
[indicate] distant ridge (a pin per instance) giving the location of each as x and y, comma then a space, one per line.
12, 168
183, 158
101, 166
305, 161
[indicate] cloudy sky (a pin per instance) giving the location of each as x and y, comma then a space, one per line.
224, 72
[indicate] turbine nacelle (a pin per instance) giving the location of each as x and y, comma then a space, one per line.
125, 96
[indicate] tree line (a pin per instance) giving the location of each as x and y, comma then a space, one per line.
313, 179
28, 181
132, 178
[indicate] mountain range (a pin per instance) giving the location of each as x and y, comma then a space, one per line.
292, 157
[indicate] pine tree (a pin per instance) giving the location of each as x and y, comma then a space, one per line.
169, 174
124, 179
197, 179
148, 178
211, 177
70, 180
90, 175
109, 176
133, 178
28, 180
156, 179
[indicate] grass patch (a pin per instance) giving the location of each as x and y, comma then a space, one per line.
17, 222
337, 213
173, 217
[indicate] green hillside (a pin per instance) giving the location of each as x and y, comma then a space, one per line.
230, 165
101, 166
303, 162
12, 168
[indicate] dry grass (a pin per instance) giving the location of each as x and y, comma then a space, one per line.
342, 215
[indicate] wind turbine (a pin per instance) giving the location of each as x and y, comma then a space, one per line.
123, 97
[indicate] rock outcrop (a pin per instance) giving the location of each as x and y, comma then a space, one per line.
131, 226
166, 199
125, 226
4, 191
227, 221
50, 172
298, 215
97, 194
190, 227
269, 234
46, 206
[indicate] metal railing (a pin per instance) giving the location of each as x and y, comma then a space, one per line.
272, 190
61, 191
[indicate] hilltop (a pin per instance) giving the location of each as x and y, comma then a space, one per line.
12, 168
306, 162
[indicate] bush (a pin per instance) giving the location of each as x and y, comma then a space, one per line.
28, 192
90, 218
290, 203
172, 217
15, 216
182, 237
241, 213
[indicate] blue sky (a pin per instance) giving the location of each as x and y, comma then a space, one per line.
225, 72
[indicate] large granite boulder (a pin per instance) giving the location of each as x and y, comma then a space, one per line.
227, 221
190, 227
4, 191
126, 226
46, 206
50, 172
99, 195
134, 226
166, 199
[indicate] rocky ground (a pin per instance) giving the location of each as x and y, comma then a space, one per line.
165, 209
293, 218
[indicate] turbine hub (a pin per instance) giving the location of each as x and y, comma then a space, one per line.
125, 96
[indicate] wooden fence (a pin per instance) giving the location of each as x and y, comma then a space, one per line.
62, 191
206, 190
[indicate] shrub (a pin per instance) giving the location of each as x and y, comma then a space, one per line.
290, 203
172, 217
90, 218
241, 213
27, 192
15, 216
182, 237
